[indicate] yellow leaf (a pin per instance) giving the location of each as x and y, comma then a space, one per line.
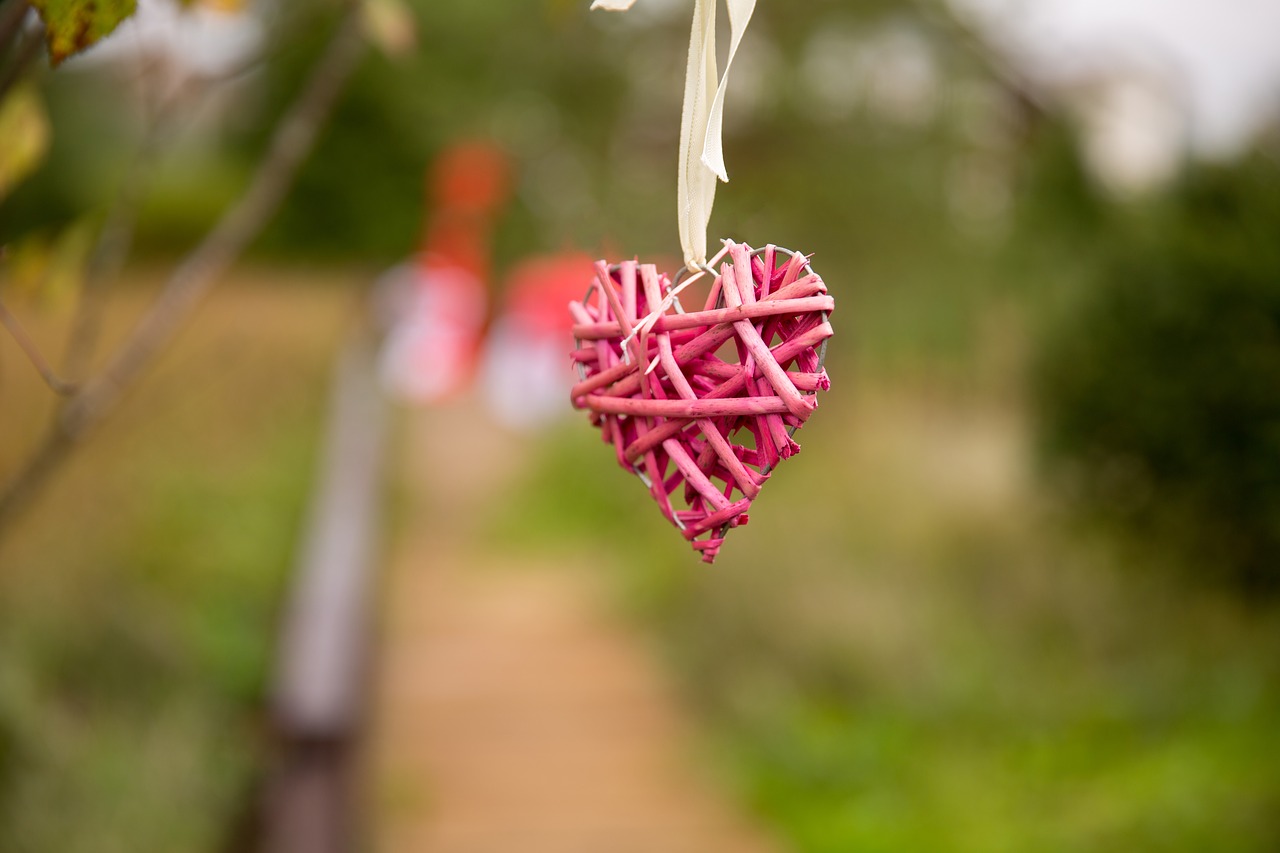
47, 268
390, 25
24, 136
226, 7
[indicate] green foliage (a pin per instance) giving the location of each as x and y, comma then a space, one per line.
878, 779
75, 25
535, 77
1158, 394
143, 682
92, 142
1059, 197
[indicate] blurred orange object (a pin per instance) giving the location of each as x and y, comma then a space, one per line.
441, 298
471, 177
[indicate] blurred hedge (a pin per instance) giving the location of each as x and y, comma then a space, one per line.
1159, 394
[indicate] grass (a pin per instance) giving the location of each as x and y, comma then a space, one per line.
138, 599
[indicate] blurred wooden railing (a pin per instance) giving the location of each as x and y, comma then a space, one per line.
308, 802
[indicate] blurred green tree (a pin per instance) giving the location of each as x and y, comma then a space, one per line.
1159, 394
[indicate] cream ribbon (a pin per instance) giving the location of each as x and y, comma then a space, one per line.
702, 120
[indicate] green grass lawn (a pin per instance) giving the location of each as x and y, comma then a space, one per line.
139, 598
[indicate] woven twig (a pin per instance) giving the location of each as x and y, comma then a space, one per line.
672, 390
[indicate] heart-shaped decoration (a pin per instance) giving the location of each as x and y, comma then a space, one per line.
705, 400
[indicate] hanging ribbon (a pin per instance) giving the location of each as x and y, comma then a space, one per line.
702, 119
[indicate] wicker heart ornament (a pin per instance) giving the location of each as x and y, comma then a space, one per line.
703, 405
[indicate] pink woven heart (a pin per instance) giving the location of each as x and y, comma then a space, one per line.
674, 391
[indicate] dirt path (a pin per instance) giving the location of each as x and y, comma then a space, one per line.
514, 715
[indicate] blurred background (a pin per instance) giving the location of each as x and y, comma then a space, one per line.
1019, 591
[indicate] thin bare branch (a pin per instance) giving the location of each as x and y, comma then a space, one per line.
293, 139
105, 262
112, 247
33, 354
115, 240
198, 273
12, 14
28, 49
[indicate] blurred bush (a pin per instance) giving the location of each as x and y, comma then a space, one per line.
1159, 393
139, 601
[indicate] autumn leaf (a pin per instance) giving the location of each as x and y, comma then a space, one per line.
390, 25
226, 7
73, 25
24, 136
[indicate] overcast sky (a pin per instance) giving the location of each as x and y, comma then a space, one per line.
1226, 51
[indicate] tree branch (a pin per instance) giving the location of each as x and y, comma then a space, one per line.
25, 54
293, 139
37, 359
115, 239
108, 256
12, 14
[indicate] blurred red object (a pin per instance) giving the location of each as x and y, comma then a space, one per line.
539, 289
526, 375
